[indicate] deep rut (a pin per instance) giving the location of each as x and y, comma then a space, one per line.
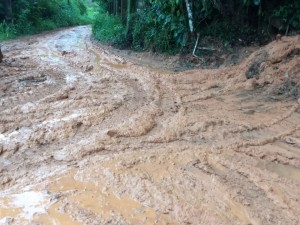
88, 137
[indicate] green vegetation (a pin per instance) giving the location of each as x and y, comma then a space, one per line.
157, 25
172, 26
21, 17
108, 28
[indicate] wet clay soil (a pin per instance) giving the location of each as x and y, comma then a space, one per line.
89, 137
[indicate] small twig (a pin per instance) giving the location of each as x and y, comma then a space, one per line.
196, 45
195, 48
207, 49
287, 30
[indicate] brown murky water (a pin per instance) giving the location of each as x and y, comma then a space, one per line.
88, 137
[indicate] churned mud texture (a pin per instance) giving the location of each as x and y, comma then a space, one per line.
89, 137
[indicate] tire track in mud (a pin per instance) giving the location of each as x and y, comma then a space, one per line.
100, 140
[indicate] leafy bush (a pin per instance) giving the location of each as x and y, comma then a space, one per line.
31, 16
108, 28
289, 14
159, 27
6, 31
158, 30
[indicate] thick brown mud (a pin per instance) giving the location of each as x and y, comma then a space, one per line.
89, 137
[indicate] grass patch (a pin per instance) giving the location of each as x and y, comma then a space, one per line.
108, 29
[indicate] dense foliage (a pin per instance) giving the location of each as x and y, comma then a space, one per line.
155, 25
166, 25
108, 28
19, 17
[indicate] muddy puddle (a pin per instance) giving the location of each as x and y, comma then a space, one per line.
89, 137
282, 170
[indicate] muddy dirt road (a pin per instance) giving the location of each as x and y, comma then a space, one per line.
87, 137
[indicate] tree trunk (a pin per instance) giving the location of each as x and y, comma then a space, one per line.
121, 10
8, 10
190, 16
259, 16
128, 16
113, 7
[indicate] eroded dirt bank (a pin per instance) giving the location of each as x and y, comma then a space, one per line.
87, 137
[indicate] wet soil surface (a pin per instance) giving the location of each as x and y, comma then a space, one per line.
213, 56
89, 137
